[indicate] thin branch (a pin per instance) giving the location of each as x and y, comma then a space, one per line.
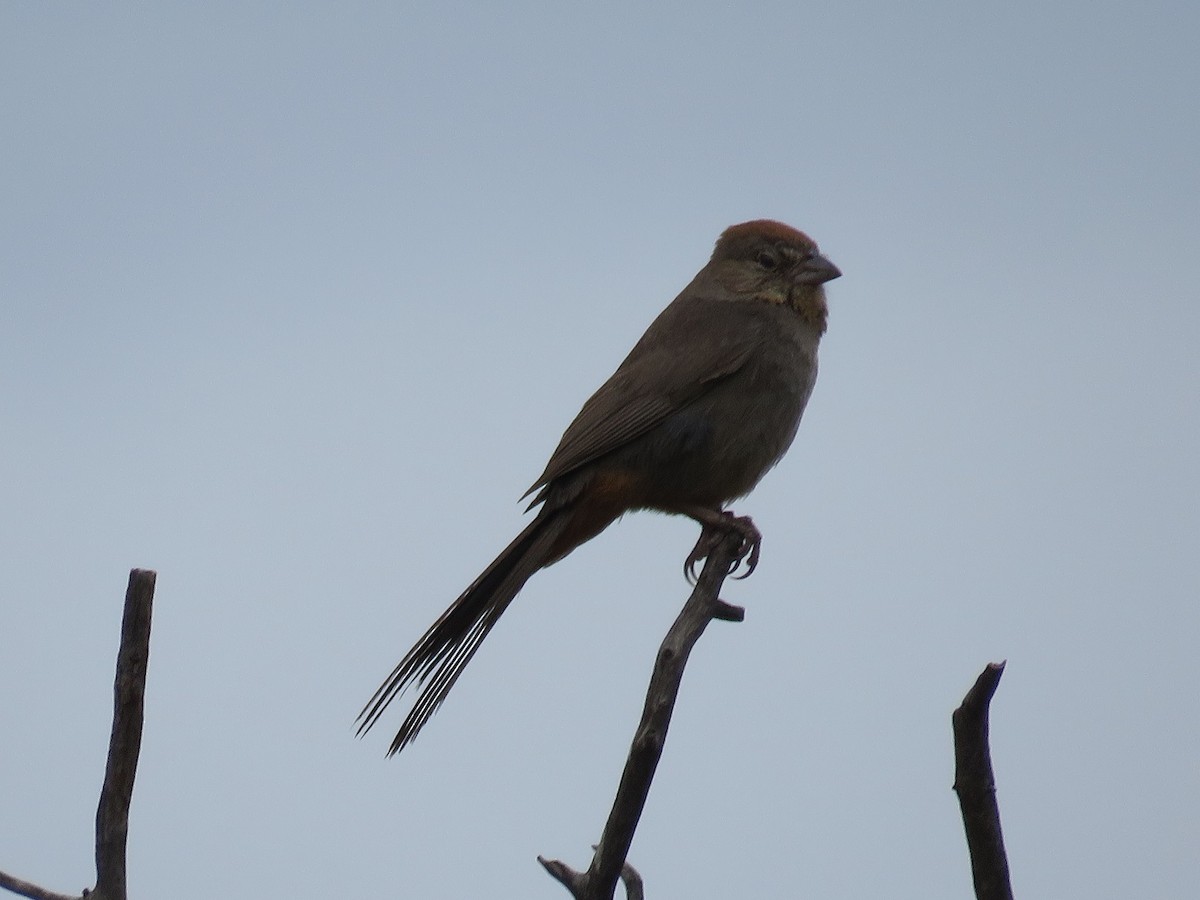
976, 788
129, 690
599, 882
25, 889
112, 813
632, 879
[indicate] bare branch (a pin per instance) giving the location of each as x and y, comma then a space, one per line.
566, 876
632, 879
976, 788
129, 690
573, 881
599, 882
125, 742
25, 889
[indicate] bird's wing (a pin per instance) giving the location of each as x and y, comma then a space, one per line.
683, 353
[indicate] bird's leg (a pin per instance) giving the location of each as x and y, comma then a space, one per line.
715, 524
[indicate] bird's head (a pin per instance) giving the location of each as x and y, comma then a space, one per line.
768, 261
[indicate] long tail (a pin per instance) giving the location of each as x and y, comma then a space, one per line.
438, 658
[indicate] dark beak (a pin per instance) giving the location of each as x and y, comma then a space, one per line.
817, 270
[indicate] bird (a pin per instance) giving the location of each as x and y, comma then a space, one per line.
707, 401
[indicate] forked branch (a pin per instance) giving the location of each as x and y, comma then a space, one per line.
608, 865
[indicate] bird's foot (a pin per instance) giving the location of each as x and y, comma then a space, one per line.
715, 526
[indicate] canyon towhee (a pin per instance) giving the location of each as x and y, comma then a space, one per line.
706, 402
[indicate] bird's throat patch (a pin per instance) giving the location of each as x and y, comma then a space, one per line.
808, 302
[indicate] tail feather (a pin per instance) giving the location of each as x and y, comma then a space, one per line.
439, 657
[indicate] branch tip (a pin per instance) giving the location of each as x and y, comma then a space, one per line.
975, 785
727, 612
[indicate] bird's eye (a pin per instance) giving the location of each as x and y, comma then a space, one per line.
767, 260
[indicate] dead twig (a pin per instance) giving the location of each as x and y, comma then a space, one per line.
976, 788
124, 746
599, 882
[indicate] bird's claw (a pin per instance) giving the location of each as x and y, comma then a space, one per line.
711, 535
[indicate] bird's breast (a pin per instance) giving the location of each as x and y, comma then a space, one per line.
717, 448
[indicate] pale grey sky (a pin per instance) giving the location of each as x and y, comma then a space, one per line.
297, 299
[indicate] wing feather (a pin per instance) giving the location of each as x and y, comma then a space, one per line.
674, 363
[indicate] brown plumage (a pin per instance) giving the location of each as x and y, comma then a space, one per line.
704, 405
